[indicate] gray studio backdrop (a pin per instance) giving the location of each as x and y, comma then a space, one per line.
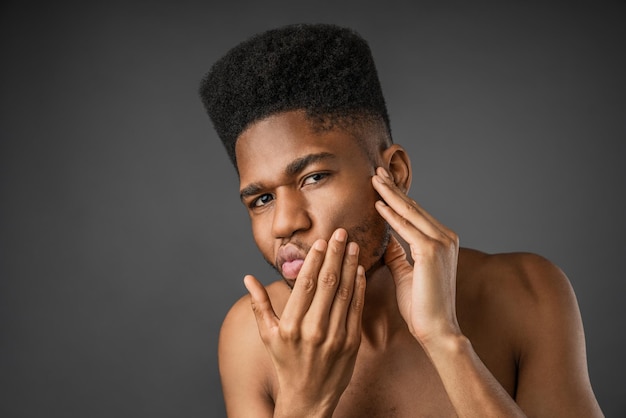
122, 241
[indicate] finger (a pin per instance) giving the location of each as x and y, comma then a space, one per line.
261, 306
385, 179
404, 228
328, 278
407, 207
355, 312
403, 204
343, 296
306, 283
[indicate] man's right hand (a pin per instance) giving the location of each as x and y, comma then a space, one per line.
313, 345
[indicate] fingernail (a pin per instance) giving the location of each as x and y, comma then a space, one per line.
385, 173
353, 248
340, 235
319, 245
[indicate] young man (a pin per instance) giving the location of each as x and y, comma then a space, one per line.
380, 313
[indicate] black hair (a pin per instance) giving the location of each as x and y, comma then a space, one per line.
325, 70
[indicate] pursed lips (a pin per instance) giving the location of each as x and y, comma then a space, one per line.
289, 260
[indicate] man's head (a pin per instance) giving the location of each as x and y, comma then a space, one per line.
324, 70
301, 113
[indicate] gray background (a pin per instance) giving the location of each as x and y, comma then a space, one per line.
122, 241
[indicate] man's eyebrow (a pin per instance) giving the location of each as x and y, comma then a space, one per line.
250, 190
301, 163
293, 168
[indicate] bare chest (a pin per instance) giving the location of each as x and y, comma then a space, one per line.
394, 386
403, 383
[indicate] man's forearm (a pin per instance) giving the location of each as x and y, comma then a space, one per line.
472, 389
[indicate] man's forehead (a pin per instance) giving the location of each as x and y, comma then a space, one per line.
282, 138
285, 125
261, 163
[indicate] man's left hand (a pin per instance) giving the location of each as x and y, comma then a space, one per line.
425, 287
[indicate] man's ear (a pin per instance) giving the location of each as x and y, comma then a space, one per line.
397, 162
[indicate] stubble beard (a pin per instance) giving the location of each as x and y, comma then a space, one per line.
372, 256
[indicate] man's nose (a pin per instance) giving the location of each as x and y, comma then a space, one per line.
290, 215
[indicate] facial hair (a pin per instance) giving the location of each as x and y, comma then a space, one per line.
372, 235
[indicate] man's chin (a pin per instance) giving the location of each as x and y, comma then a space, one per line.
290, 282
370, 271
374, 267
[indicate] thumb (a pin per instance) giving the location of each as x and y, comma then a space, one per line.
395, 259
402, 273
261, 305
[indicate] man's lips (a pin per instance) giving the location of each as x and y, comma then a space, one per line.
289, 261
291, 269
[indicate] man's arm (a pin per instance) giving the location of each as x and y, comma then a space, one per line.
426, 293
553, 380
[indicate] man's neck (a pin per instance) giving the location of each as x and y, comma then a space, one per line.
381, 318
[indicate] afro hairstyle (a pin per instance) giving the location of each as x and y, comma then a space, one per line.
325, 70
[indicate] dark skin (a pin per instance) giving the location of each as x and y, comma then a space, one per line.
362, 331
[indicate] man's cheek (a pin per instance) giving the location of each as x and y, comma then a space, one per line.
262, 242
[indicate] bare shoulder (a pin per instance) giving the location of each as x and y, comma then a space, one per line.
241, 315
245, 368
513, 293
512, 280
519, 309
239, 333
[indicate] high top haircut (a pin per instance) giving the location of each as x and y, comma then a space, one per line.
325, 70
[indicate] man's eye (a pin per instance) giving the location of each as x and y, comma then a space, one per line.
262, 200
314, 178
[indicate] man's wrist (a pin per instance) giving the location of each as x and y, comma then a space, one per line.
291, 407
447, 346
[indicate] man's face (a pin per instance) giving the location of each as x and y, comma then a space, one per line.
299, 185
